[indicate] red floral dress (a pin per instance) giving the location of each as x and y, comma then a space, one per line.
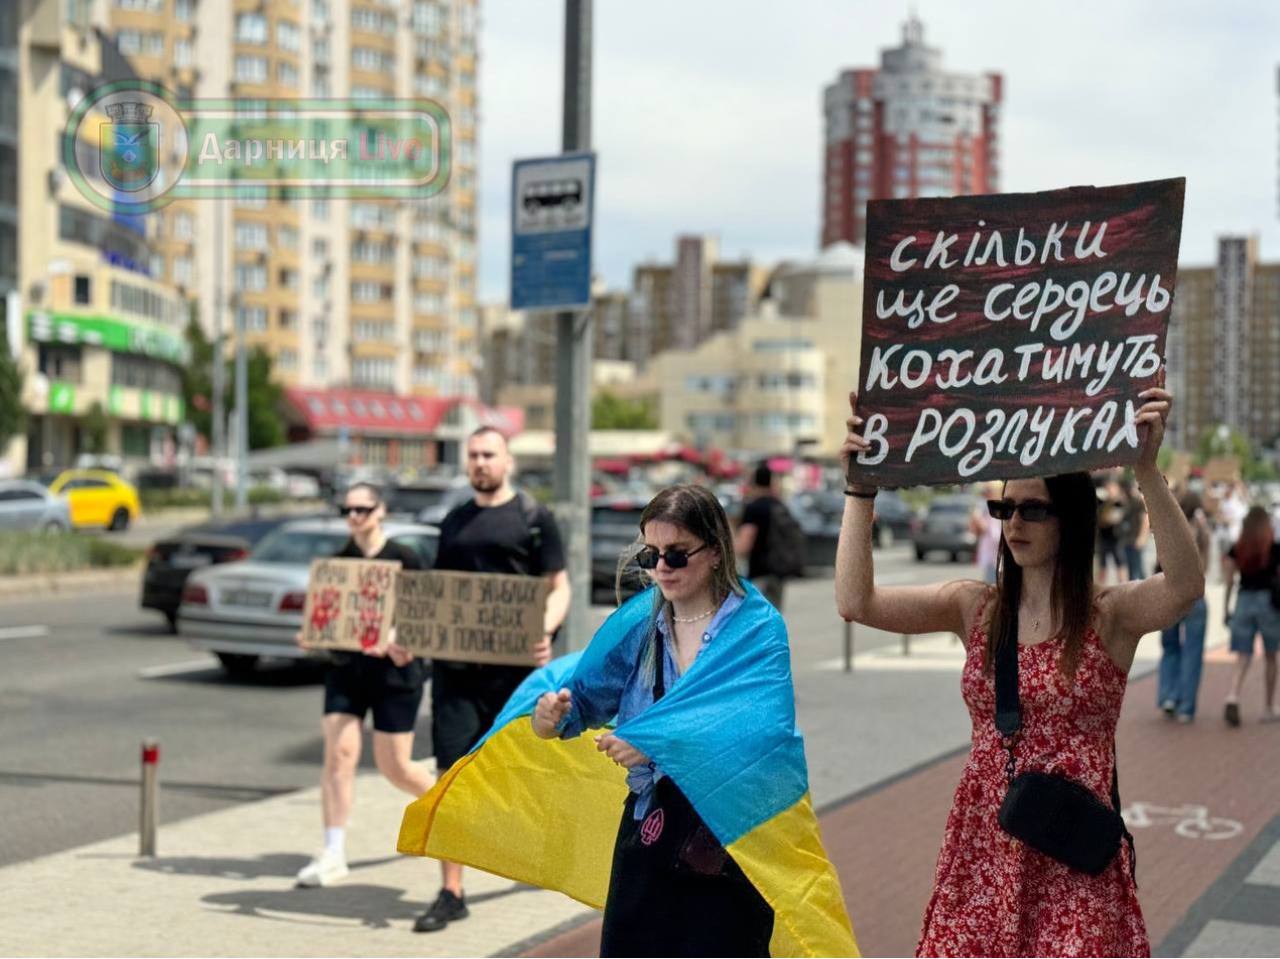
995, 896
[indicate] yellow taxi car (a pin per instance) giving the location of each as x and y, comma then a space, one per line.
97, 498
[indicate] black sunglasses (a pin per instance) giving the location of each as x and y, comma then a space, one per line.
648, 557
358, 510
1031, 511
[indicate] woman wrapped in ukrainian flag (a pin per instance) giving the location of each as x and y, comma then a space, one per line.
718, 850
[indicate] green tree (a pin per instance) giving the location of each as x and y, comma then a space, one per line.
1220, 441
265, 396
265, 399
93, 430
197, 376
612, 412
13, 418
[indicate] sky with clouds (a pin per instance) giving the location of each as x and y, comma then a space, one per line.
708, 118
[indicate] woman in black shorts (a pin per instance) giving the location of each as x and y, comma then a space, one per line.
389, 683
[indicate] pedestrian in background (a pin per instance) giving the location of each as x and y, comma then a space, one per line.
388, 683
499, 530
1073, 642
769, 538
1111, 515
1182, 644
1134, 532
1255, 556
986, 529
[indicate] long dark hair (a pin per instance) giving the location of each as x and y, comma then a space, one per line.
1253, 548
1073, 496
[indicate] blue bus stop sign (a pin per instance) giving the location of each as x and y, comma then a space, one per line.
552, 205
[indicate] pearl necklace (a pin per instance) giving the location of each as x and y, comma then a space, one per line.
692, 619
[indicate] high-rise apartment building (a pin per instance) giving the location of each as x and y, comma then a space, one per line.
98, 337
908, 128
368, 293
677, 306
1223, 350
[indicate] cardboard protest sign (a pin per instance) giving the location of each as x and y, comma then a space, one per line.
471, 617
1010, 335
349, 603
1179, 470
1222, 469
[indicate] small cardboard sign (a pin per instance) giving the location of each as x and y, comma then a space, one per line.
349, 604
1010, 335
471, 617
1222, 469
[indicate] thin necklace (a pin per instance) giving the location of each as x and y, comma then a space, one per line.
692, 619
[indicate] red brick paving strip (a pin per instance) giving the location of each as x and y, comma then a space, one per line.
885, 844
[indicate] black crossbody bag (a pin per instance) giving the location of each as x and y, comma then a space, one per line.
1050, 813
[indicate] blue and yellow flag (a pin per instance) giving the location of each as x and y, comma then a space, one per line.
546, 812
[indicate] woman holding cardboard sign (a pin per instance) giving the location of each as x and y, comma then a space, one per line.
1048, 655
389, 682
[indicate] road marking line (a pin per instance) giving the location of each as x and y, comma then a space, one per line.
24, 632
178, 669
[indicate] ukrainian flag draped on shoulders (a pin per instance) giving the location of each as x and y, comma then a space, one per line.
546, 812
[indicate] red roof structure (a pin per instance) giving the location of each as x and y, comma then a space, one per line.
365, 412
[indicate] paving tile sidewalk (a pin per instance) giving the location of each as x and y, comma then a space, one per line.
886, 735
1196, 883
223, 886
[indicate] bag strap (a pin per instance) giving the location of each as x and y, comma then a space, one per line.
1115, 804
659, 665
1008, 708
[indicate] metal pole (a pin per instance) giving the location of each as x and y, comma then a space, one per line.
150, 798
242, 415
906, 645
219, 364
848, 647
573, 349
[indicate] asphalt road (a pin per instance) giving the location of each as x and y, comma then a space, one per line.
83, 681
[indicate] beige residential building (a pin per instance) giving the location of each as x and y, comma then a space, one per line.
779, 382
97, 339
538, 400
760, 388
371, 294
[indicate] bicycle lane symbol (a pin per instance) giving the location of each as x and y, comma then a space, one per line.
1189, 820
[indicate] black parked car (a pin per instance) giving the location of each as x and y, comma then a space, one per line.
895, 520
615, 525
170, 561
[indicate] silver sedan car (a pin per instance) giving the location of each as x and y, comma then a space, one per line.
251, 608
26, 505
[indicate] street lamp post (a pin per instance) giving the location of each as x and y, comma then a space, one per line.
573, 353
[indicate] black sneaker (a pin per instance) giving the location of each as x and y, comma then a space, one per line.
1231, 713
446, 909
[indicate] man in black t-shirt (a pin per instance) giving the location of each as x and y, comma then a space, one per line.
752, 538
499, 531
389, 683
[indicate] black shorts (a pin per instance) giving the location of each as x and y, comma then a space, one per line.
465, 700
358, 684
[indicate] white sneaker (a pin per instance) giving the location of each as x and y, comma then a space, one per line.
326, 869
